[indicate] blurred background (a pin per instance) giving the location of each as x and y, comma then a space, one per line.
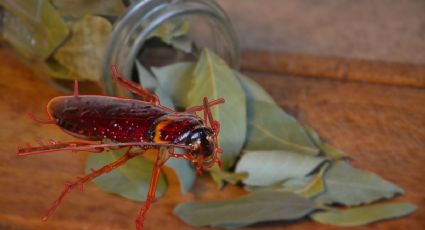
387, 30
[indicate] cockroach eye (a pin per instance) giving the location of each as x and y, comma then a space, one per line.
202, 142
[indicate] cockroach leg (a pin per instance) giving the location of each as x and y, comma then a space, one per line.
86, 178
110, 142
170, 153
56, 146
198, 165
207, 113
219, 163
216, 126
185, 156
201, 107
137, 89
79, 146
162, 155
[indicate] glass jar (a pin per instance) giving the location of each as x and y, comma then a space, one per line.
209, 27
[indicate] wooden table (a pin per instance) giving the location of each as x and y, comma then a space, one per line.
381, 127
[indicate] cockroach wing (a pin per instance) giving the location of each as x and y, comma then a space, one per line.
100, 117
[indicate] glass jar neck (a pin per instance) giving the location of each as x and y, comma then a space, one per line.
133, 29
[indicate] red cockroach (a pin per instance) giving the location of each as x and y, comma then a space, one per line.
138, 125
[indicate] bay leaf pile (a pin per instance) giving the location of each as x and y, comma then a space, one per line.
288, 171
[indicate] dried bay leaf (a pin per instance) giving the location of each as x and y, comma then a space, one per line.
215, 173
146, 79
34, 28
182, 43
331, 152
83, 53
130, 180
269, 127
56, 70
268, 167
309, 186
184, 171
349, 186
326, 149
230, 177
170, 29
253, 90
259, 206
176, 80
174, 33
149, 82
164, 98
364, 215
212, 78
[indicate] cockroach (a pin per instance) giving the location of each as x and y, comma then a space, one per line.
100, 123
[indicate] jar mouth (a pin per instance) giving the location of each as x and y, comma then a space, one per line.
133, 29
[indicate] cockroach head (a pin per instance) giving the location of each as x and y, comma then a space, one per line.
203, 145
201, 141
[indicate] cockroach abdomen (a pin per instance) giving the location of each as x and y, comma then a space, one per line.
100, 117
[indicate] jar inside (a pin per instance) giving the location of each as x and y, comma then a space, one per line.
163, 32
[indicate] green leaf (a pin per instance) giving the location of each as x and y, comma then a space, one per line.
164, 98
349, 186
253, 91
149, 82
183, 43
309, 186
184, 172
174, 33
175, 80
326, 149
269, 127
130, 180
34, 28
146, 79
331, 152
229, 177
56, 70
268, 167
364, 215
188, 83
80, 8
84, 52
259, 206
170, 29
216, 176
213, 79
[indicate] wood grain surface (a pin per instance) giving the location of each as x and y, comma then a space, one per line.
344, 69
380, 127
385, 30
